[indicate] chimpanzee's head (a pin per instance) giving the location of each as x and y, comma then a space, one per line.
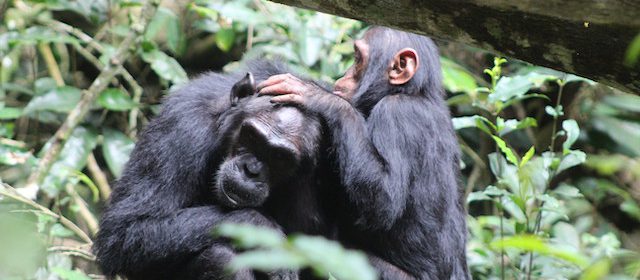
272, 146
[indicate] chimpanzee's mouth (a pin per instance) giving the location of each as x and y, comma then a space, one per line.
233, 201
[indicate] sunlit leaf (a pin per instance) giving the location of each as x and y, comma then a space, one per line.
554, 112
537, 245
249, 236
455, 78
267, 260
528, 155
225, 37
597, 271
567, 191
571, 159
572, 132
513, 125
510, 87
328, 257
310, 46
511, 156
10, 113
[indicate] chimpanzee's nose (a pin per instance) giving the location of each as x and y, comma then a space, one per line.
253, 167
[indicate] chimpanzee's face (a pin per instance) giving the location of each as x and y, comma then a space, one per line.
270, 147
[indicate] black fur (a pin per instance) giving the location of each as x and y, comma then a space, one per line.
397, 158
159, 219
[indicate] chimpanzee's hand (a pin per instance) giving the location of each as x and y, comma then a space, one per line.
289, 89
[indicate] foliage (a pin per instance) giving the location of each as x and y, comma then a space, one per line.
551, 161
327, 258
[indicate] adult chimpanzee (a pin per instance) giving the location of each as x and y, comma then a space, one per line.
202, 159
397, 155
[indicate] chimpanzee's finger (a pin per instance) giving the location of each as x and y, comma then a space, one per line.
277, 89
275, 79
288, 99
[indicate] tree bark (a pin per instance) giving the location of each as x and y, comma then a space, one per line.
588, 38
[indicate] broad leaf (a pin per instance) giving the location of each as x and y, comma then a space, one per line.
510, 87
225, 37
72, 157
60, 100
115, 100
165, 66
572, 132
116, 148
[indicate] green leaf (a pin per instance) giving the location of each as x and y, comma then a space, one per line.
506, 150
455, 78
514, 207
567, 191
572, 132
633, 52
237, 11
250, 236
513, 125
60, 100
267, 260
477, 196
225, 37
597, 271
10, 155
625, 133
44, 85
510, 87
329, 257
573, 78
537, 245
480, 122
89, 183
554, 112
116, 148
630, 207
115, 100
571, 159
166, 23
68, 274
10, 113
204, 11
624, 101
528, 155
72, 157
493, 191
310, 46
165, 66
59, 230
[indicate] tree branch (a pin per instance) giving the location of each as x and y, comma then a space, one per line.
589, 38
98, 85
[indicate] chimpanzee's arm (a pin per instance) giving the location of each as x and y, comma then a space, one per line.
376, 155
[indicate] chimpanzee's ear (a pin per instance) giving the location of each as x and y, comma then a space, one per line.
243, 88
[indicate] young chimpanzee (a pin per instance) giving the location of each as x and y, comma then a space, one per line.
207, 156
396, 153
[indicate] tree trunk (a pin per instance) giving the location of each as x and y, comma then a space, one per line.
588, 38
